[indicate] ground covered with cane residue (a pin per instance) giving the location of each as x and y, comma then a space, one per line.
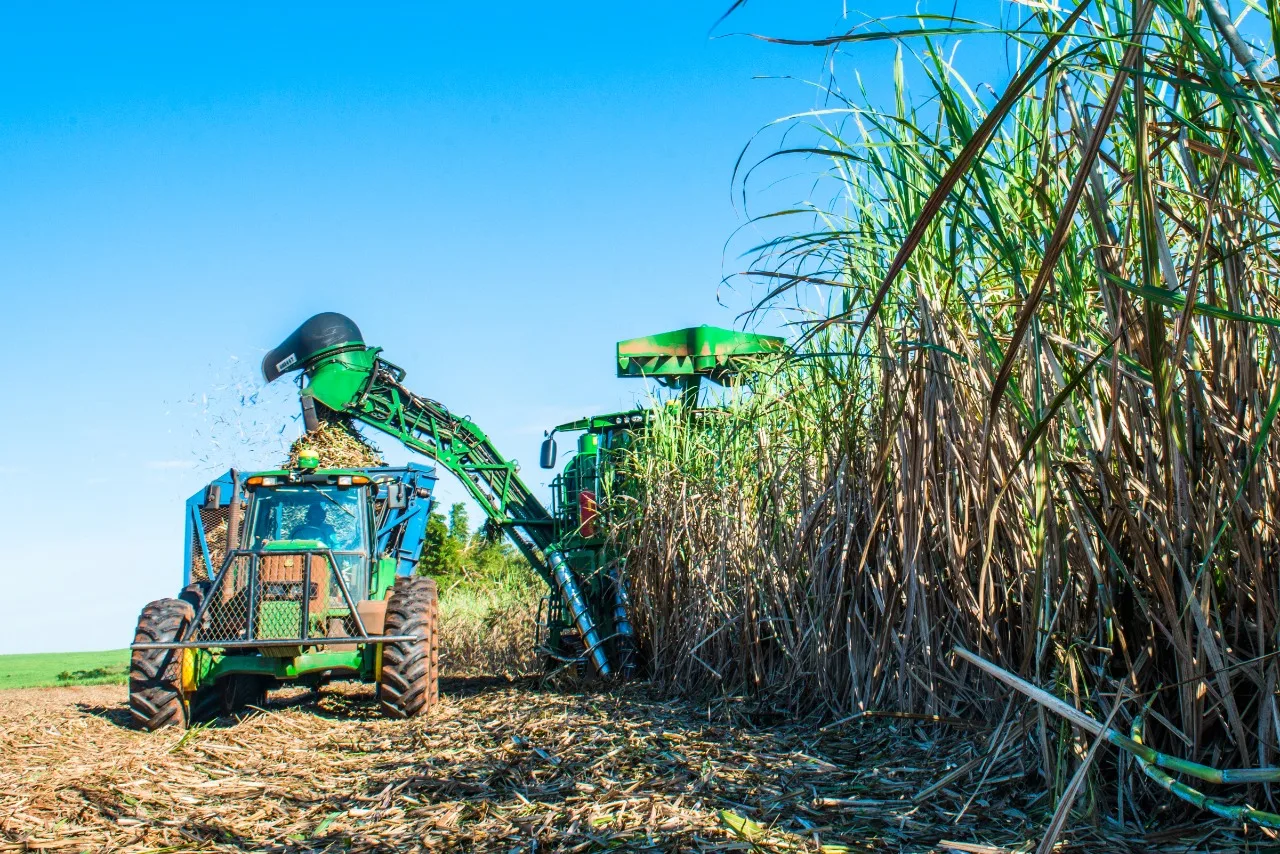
508, 766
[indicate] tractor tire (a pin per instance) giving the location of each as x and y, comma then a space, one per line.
241, 690
205, 706
410, 678
195, 594
155, 675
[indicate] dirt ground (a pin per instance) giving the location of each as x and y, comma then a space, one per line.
510, 767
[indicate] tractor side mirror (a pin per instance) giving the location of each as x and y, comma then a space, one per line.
548, 457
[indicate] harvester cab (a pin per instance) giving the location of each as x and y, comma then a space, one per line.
293, 576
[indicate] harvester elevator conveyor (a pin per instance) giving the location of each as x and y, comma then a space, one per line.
348, 377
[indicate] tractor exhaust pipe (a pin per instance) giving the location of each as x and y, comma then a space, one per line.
234, 512
572, 595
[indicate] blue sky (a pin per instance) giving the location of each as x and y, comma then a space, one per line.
495, 194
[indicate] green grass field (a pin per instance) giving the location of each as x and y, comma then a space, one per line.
42, 669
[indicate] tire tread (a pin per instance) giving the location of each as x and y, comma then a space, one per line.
410, 678
155, 675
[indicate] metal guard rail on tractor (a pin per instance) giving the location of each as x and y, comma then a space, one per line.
248, 641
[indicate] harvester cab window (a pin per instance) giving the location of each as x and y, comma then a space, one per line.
315, 526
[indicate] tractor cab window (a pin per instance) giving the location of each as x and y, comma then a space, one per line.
331, 515
327, 514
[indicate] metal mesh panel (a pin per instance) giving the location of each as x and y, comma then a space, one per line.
355, 572
339, 622
284, 595
282, 598
214, 522
227, 616
198, 571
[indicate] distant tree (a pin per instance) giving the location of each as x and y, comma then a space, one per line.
459, 525
441, 553
455, 555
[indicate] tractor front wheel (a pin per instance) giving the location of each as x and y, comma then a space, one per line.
155, 675
411, 669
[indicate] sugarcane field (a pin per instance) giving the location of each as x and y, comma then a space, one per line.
727, 426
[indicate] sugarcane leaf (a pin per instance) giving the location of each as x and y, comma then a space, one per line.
960, 165
1059, 399
1058, 241
1170, 299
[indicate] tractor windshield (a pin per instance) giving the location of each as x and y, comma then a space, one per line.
329, 514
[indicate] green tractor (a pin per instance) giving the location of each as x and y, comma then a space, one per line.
313, 582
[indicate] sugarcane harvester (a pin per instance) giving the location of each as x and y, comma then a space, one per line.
585, 615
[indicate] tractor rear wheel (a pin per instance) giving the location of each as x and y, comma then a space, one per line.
410, 678
195, 593
155, 675
241, 690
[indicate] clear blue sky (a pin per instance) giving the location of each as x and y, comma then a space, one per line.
495, 193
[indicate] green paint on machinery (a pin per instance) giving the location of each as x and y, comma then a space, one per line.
584, 617
306, 574
684, 356
293, 576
